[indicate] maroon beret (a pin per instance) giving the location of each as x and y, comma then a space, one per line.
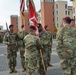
39, 25
22, 26
10, 26
32, 27
67, 19
45, 26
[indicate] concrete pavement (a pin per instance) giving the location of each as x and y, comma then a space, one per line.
55, 70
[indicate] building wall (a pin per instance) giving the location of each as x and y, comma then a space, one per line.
47, 14
74, 10
70, 12
61, 10
14, 21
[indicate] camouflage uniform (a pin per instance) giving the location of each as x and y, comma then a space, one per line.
45, 40
32, 45
49, 47
66, 48
12, 48
21, 46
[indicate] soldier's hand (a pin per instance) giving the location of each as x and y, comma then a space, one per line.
8, 43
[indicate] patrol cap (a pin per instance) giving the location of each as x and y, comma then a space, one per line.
22, 26
10, 26
45, 26
39, 25
32, 27
67, 19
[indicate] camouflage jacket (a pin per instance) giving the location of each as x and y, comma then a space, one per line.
32, 44
45, 38
66, 42
10, 37
21, 36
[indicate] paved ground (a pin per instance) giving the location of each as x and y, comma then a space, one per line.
4, 70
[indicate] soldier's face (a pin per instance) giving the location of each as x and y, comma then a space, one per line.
32, 32
64, 23
72, 23
11, 28
40, 28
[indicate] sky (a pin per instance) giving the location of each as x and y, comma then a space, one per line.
11, 7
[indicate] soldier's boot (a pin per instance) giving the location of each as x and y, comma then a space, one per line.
14, 70
11, 70
23, 69
50, 65
44, 73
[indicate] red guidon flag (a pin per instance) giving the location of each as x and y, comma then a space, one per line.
32, 13
32, 16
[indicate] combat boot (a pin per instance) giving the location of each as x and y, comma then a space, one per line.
14, 70
23, 69
50, 65
44, 73
11, 70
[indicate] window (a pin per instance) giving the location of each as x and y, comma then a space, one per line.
53, 0
53, 13
57, 12
74, 10
53, 19
57, 25
65, 6
17, 26
57, 18
53, 7
56, 6
68, 12
65, 12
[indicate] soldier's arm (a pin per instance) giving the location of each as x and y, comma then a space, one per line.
5, 39
39, 45
59, 43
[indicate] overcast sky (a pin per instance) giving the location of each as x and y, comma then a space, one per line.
11, 7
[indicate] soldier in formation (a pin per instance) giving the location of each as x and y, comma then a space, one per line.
32, 46
66, 47
45, 40
10, 39
49, 47
21, 46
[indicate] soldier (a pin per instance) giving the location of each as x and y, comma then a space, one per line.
10, 39
66, 47
21, 46
72, 23
49, 47
45, 41
32, 46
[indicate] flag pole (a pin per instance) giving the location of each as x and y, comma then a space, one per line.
33, 18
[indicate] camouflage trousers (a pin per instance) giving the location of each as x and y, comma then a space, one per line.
11, 55
41, 68
49, 55
22, 51
31, 63
68, 66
